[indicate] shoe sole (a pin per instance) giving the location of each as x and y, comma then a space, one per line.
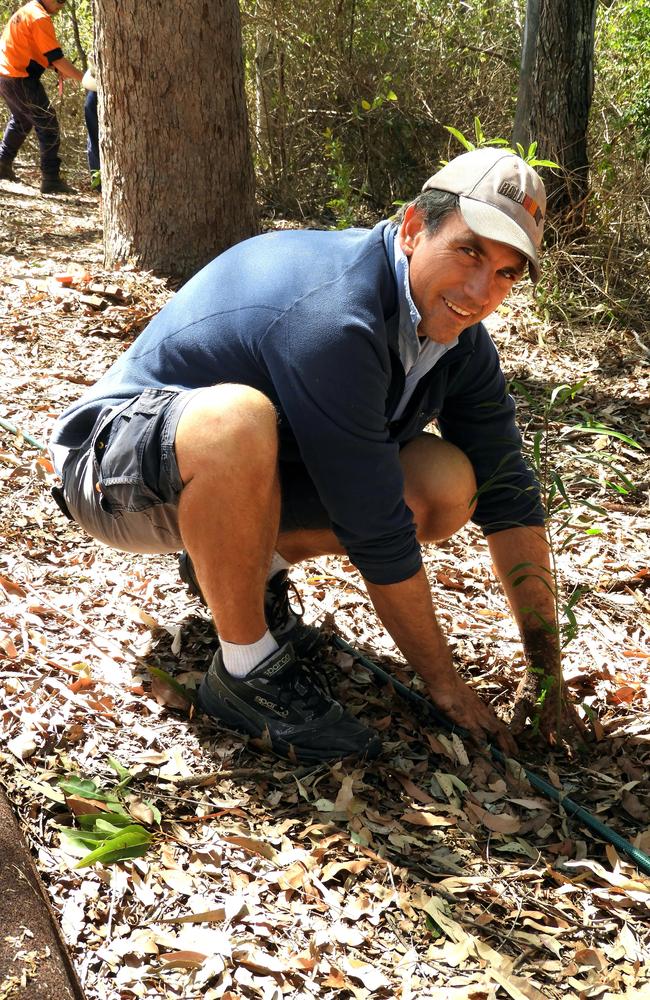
218, 709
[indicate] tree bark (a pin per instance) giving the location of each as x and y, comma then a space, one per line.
555, 89
177, 175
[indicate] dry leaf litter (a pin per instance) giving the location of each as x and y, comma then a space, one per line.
430, 873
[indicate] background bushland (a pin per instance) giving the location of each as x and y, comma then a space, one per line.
348, 102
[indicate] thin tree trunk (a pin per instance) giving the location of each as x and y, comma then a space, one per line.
555, 91
522, 129
81, 52
177, 176
265, 48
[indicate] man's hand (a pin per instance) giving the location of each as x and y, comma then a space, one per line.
407, 612
462, 705
522, 561
67, 69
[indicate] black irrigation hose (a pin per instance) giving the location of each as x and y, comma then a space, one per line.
641, 859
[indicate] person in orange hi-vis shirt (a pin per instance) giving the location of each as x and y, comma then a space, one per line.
28, 47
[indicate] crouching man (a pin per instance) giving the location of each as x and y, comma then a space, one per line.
275, 410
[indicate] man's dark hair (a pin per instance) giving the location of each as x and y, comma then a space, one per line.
434, 206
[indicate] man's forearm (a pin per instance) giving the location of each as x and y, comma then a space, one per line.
406, 610
541, 695
530, 589
67, 69
522, 560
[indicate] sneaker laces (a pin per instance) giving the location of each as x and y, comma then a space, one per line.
280, 610
286, 620
305, 682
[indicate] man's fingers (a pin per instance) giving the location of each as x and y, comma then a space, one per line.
576, 719
507, 742
488, 728
499, 735
504, 738
463, 706
495, 728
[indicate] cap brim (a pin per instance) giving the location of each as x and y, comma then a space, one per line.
487, 221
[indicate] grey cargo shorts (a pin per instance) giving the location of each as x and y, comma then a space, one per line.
123, 487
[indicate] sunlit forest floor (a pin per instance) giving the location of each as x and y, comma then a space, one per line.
431, 872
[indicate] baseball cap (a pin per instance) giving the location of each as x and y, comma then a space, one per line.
500, 198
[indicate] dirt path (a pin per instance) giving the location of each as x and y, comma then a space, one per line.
431, 873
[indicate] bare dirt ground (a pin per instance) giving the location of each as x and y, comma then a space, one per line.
433, 871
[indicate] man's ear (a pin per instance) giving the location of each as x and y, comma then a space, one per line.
412, 224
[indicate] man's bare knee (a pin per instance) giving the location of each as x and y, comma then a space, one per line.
226, 424
440, 486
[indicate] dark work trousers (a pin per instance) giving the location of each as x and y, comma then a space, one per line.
30, 109
92, 127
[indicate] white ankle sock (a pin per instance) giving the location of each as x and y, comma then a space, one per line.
240, 660
277, 563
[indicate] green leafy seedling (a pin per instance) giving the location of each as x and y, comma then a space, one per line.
528, 155
109, 834
131, 842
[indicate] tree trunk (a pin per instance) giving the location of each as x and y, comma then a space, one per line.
265, 71
177, 176
555, 90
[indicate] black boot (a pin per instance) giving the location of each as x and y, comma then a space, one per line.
54, 184
7, 172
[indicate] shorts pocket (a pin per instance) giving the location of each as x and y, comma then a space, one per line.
118, 448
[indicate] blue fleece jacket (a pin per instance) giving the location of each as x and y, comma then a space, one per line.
311, 320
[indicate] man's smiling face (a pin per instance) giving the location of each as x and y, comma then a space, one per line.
456, 277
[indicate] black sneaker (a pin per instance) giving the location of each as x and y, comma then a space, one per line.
7, 172
188, 576
284, 623
280, 698
55, 185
